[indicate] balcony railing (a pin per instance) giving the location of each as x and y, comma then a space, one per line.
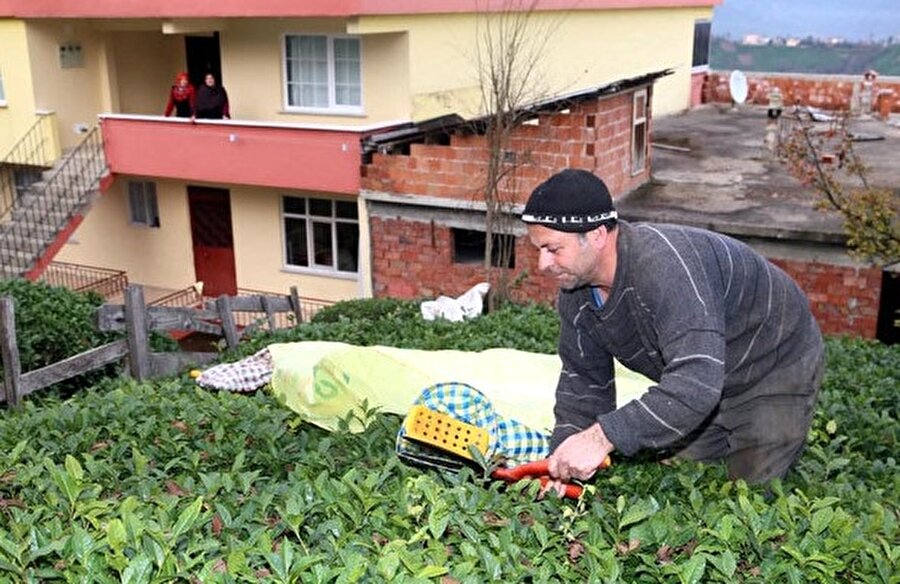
267, 154
82, 278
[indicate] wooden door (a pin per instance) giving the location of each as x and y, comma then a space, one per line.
213, 243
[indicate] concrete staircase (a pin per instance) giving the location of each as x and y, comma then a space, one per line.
45, 211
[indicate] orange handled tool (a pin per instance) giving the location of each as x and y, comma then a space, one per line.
539, 470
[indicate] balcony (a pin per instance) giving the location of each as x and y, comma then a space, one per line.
290, 156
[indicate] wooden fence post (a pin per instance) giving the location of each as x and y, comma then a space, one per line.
136, 328
229, 327
9, 351
295, 305
270, 314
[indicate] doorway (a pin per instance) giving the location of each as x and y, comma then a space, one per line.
210, 211
202, 56
889, 310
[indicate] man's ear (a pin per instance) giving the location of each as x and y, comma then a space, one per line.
597, 237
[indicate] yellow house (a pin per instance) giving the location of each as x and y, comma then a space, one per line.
268, 198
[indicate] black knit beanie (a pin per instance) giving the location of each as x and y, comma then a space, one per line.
575, 201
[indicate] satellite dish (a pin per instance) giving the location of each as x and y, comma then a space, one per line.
737, 86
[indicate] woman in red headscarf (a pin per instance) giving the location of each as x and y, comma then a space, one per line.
181, 97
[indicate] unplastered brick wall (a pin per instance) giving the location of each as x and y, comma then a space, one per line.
843, 299
830, 92
594, 135
412, 258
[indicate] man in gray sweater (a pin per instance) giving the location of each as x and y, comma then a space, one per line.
727, 337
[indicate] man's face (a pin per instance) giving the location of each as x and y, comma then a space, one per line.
571, 258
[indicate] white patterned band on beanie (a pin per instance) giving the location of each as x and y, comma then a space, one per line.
572, 200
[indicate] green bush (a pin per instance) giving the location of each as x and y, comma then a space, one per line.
399, 323
52, 323
165, 482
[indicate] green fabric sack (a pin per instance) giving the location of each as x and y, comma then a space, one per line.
325, 382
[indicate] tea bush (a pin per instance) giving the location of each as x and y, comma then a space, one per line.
52, 323
165, 482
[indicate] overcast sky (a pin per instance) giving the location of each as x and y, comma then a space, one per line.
849, 19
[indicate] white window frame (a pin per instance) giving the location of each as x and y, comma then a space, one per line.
149, 204
640, 124
333, 220
332, 108
703, 67
2, 91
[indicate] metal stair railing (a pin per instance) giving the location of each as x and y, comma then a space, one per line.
83, 278
34, 151
43, 209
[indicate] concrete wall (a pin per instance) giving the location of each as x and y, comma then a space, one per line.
145, 64
600, 47
831, 92
163, 257
412, 250
253, 72
17, 114
259, 249
76, 94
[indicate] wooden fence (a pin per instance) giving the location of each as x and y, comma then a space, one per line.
137, 320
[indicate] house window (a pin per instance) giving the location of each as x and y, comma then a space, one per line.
142, 207
468, 248
639, 132
321, 233
323, 73
2, 91
702, 31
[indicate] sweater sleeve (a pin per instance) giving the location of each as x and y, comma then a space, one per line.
586, 387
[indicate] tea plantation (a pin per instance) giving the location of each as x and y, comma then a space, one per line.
166, 482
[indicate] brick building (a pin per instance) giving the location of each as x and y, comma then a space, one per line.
424, 186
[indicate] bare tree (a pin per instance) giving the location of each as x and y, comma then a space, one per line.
510, 45
825, 159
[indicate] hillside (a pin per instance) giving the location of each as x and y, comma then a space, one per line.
849, 59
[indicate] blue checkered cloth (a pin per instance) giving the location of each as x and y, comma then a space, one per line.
509, 439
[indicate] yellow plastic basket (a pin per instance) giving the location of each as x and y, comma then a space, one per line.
445, 432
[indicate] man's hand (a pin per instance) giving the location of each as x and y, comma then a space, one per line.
580, 455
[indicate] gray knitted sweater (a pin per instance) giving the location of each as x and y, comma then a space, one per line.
701, 314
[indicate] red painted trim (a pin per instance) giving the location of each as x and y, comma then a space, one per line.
291, 158
61, 238
106, 181
295, 8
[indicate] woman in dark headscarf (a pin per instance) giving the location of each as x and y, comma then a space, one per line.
212, 100
181, 97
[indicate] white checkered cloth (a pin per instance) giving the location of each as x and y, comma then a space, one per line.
244, 376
